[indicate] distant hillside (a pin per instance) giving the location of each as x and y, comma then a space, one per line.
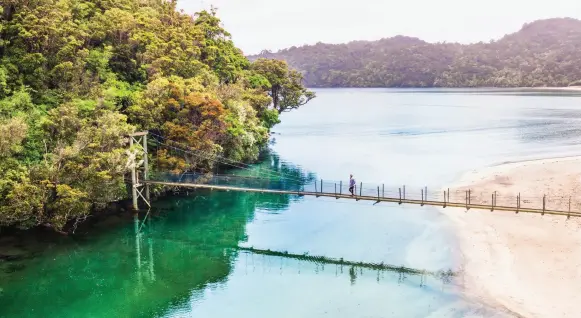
542, 53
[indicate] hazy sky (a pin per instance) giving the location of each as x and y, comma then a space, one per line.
275, 24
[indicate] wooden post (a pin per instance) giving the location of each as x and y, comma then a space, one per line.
316, 191
569, 213
321, 185
133, 178
383, 190
399, 195
444, 198
543, 204
466, 195
426, 193
377, 193
340, 187
335, 189
517, 203
360, 188
404, 191
469, 196
448, 195
422, 197
492, 203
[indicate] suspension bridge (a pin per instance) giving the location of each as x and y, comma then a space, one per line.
271, 181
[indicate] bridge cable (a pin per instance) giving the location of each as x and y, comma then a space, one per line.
269, 173
226, 161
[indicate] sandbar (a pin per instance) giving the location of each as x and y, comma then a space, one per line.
527, 264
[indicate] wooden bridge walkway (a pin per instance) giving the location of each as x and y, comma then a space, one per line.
275, 182
379, 198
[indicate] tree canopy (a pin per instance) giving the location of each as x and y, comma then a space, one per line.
542, 53
78, 76
285, 84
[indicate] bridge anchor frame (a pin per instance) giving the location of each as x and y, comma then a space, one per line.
138, 142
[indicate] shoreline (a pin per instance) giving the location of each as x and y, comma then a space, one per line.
528, 265
549, 158
568, 88
540, 88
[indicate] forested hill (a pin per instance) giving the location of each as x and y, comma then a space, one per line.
542, 53
77, 76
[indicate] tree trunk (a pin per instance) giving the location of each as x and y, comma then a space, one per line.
275, 98
7, 16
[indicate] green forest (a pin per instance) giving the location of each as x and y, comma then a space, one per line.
78, 76
542, 53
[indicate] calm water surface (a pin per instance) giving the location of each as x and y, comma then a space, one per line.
186, 262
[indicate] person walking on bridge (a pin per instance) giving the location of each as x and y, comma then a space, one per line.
351, 184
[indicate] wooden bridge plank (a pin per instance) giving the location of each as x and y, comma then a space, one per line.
366, 198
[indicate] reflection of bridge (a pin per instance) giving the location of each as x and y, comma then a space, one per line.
355, 267
272, 181
295, 263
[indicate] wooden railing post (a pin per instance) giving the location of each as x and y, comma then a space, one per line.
544, 196
422, 204
340, 187
316, 191
444, 198
469, 197
400, 196
569, 213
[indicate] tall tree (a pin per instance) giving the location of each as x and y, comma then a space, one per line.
218, 50
285, 85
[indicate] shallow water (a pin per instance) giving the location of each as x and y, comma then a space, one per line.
185, 262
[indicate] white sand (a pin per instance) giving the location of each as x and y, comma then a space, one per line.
569, 88
528, 264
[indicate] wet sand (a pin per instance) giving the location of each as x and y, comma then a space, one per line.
527, 264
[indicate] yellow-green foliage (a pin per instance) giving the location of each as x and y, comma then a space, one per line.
77, 76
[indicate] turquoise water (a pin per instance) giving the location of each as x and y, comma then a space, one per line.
185, 261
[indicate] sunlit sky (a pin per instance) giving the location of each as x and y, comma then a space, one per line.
276, 24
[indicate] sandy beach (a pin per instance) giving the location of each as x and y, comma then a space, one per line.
568, 88
527, 264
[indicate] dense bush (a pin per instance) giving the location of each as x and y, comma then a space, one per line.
77, 76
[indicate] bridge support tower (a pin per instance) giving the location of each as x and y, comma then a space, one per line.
139, 166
